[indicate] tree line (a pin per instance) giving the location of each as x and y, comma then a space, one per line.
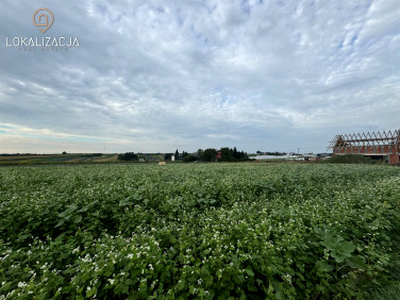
224, 154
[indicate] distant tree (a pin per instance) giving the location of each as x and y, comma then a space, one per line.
189, 158
64, 152
243, 156
235, 153
167, 156
128, 156
199, 154
226, 154
177, 154
209, 155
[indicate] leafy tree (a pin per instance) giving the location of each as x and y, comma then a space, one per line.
235, 153
128, 156
242, 156
199, 154
209, 155
226, 154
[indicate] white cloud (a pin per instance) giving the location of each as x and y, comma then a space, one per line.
159, 75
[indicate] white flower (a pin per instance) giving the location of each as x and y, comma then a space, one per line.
22, 284
111, 281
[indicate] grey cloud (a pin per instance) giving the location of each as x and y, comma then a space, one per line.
157, 75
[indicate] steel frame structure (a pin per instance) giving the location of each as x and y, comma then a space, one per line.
380, 143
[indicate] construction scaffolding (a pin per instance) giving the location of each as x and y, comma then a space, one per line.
383, 144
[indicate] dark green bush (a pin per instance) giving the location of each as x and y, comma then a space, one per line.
128, 156
350, 159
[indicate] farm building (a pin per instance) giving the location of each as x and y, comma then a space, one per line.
385, 145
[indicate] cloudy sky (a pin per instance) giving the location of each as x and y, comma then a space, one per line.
154, 76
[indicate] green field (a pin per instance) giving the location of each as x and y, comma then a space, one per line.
207, 231
36, 159
71, 158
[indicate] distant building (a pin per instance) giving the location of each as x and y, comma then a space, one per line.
218, 156
385, 145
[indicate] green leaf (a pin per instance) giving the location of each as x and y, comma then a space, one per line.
356, 262
92, 292
250, 272
346, 247
342, 251
325, 266
270, 288
60, 223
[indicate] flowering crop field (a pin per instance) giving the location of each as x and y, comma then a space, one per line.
207, 231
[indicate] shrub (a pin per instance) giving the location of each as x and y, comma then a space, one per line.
189, 158
128, 156
350, 159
